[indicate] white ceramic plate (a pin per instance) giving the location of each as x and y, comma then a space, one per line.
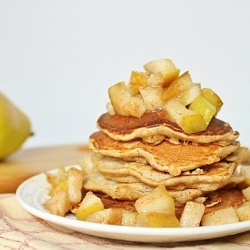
33, 193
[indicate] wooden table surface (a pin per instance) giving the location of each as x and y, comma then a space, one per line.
28, 162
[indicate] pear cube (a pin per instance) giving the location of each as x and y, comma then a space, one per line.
112, 216
163, 68
243, 211
212, 97
193, 123
189, 121
123, 103
152, 97
89, 205
219, 217
177, 86
202, 106
189, 94
192, 214
158, 201
246, 193
128, 218
119, 96
153, 219
137, 80
135, 107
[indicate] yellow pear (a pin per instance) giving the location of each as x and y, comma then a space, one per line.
15, 127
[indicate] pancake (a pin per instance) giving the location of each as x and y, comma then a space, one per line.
155, 126
223, 198
97, 182
206, 179
109, 202
167, 157
240, 156
121, 178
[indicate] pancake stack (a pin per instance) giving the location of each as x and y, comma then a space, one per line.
133, 155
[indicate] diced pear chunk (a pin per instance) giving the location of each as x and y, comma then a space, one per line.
245, 171
119, 96
219, 217
153, 219
74, 183
155, 80
152, 97
128, 218
163, 68
246, 193
89, 205
59, 203
244, 155
247, 181
157, 201
212, 97
176, 110
176, 87
189, 94
123, 102
110, 108
61, 186
193, 123
112, 216
189, 121
202, 106
137, 80
135, 107
192, 214
243, 211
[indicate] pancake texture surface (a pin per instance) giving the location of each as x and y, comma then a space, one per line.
155, 126
168, 157
208, 178
97, 182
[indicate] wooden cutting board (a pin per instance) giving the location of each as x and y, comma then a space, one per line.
28, 162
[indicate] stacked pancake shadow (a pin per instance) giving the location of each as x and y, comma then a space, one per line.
131, 156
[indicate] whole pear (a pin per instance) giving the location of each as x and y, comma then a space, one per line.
15, 127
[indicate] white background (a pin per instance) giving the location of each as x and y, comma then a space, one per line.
57, 58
